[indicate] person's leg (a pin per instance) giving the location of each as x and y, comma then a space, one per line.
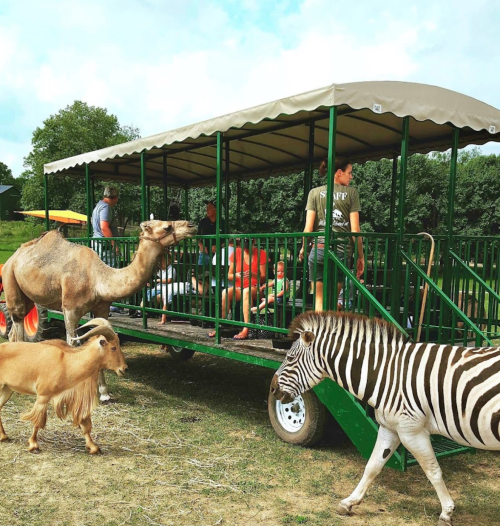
318, 303
227, 298
163, 316
249, 295
315, 265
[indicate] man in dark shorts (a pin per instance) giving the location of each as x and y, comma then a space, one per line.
345, 218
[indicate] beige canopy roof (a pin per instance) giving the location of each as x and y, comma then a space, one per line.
274, 137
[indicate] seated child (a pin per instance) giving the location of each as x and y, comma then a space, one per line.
165, 276
199, 285
279, 288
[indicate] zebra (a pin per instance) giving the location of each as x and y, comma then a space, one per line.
416, 389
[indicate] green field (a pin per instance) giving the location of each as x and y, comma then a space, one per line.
14, 233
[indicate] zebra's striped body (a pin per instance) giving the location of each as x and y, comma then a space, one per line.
416, 389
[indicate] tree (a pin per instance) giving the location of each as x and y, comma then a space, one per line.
77, 129
6, 176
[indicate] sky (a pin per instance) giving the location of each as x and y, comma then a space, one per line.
162, 64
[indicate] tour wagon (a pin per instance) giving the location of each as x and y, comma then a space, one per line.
442, 288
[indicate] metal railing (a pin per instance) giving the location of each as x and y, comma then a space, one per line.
391, 285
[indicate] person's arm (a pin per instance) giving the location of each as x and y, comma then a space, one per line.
310, 218
106, 229
230, 272
360, 264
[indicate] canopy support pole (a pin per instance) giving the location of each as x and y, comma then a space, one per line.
393, 193
89, 200
332, 137
217, 234
238, 205
399, 245
309, 168
448, 270
227, 188
46, 199
144, 214
165, 196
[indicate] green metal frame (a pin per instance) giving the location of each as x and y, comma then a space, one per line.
394, 269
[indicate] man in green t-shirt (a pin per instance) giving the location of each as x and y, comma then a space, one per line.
345, 218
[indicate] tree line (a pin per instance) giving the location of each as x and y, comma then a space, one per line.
275, 204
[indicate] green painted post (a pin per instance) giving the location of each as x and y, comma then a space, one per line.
148, 199
332, 135
393, 193
144, 213
92, 191
309, 168
448, 263
227, 189
89, 201
217, 242
238, 205
46, 198
186, 202
397, 266
165, 196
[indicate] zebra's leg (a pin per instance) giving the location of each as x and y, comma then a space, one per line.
386, 444
419, 445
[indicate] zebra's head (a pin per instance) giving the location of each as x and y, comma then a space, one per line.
299, 371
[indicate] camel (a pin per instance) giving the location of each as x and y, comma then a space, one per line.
71, 278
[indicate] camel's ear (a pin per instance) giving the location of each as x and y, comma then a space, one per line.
146, 227
307, 338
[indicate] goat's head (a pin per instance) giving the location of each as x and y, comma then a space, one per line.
106, 340
167, 233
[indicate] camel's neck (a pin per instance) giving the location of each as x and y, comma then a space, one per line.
115, 284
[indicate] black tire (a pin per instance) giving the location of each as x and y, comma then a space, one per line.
303, 422
37, 326
5, 321
180, 354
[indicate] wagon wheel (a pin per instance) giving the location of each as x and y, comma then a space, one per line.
180, 354
5, 321
37, 326
301, 422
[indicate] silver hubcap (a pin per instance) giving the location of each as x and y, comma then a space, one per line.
291, 416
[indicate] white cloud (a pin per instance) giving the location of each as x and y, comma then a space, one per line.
159, 67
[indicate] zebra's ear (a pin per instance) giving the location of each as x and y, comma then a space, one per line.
307, 338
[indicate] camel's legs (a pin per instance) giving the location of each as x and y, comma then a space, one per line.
71, 320
102, 311
86, 426
386, 444
5, 394
420, 447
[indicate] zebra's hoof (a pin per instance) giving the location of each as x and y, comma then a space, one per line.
343, 509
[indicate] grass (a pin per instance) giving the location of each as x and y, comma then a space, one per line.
191, 444
14, 233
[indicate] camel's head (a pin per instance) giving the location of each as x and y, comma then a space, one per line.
167, 233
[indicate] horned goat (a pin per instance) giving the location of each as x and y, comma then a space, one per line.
54, 371
60, 275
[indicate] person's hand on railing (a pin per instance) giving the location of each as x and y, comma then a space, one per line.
360, 267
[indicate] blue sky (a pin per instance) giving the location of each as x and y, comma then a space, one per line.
161, 64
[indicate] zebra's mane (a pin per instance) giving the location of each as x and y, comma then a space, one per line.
336, 321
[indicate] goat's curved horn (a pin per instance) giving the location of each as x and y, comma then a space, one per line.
103, 330
95, 322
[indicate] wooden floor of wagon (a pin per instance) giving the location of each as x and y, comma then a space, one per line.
183, 334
